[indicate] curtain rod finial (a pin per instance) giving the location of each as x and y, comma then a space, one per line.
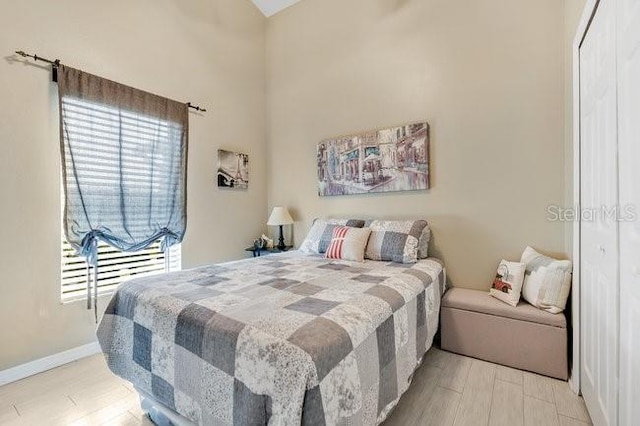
196, 107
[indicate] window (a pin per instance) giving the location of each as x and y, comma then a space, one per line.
114, 267
124, 174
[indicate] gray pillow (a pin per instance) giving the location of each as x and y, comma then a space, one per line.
395, 240
423, 243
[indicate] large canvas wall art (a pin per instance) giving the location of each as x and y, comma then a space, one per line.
387, 160
233, 170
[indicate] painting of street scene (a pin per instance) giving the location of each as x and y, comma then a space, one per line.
394, 159
233, 170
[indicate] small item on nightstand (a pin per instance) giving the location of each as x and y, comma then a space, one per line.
268, 242
258, 244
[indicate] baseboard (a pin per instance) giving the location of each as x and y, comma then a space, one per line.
47, 363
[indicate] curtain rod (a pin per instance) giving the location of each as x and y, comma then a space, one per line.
56, 63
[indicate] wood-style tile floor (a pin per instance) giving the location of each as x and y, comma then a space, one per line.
448, 389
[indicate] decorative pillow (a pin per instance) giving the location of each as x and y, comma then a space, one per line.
320, 234
423, 243
547, 281
395, 240
348, 243
508, 282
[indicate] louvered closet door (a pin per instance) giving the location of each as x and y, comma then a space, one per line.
599, 233
629, 172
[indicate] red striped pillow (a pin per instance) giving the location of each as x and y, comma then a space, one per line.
348, 243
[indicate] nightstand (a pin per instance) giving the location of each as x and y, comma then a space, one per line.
266, 251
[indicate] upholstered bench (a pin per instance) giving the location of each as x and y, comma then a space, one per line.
524, 337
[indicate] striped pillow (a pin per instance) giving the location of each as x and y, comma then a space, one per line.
395, 240
348, 243
320, 234
547, 281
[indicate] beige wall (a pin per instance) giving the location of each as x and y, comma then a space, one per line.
207, 51
486, 74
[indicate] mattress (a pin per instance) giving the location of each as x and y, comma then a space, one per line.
280, 339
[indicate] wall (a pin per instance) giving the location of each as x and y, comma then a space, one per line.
211, 52
486, 74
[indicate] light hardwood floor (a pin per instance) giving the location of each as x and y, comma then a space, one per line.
448, 389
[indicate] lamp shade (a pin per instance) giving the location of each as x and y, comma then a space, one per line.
280, 216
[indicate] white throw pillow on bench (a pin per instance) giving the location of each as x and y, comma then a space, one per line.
547, 281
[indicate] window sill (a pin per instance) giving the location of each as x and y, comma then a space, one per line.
69, 300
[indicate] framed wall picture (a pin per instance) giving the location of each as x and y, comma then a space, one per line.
386, 160
233, 170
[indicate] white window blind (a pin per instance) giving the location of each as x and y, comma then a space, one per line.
114, 267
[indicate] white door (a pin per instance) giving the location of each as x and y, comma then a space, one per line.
599, 229
629, 152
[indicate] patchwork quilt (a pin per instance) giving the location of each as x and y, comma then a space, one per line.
284, 339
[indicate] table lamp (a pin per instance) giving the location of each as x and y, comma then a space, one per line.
280, 216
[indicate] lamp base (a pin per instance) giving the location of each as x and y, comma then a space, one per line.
281, 245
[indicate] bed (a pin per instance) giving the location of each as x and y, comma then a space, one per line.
284, 339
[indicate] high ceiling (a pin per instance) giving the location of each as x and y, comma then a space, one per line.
271, 7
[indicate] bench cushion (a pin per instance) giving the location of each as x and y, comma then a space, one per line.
482, 302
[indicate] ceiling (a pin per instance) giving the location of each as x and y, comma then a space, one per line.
271, 7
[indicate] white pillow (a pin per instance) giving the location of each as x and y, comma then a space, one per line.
348, 243
508, 282
547, 281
